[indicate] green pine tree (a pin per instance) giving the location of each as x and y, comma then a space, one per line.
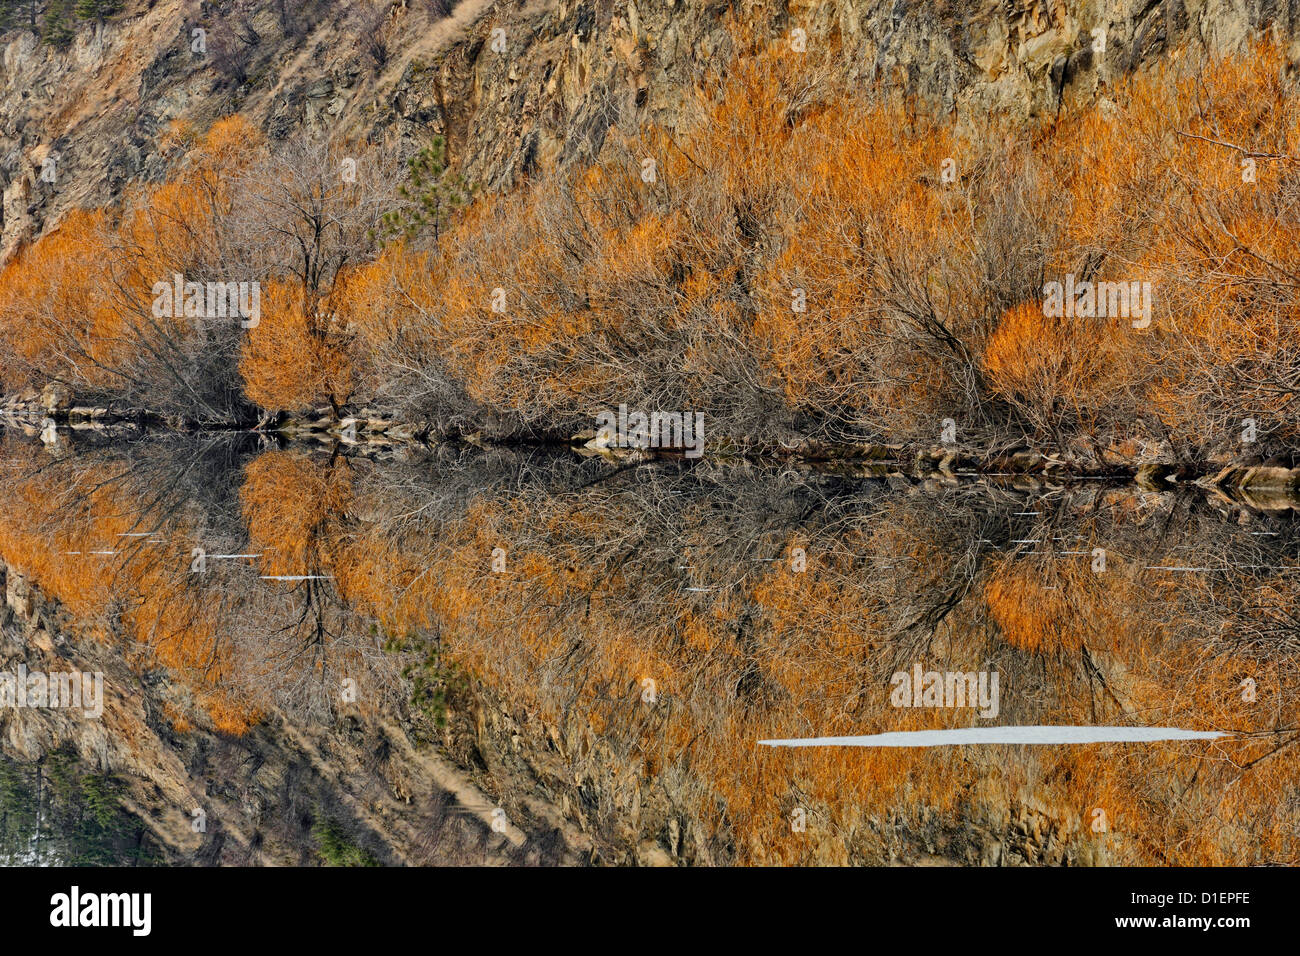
434, 193
17, 14
97, 10
60, 25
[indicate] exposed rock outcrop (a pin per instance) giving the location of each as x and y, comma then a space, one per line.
518, 85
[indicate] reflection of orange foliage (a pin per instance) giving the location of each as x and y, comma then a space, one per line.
291, 506
1030, 615
563, 629
788, 653
67, 534
570, 630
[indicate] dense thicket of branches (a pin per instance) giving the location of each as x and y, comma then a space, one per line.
802, 260
82, 306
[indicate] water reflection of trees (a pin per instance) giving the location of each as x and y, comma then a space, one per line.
166, 546
691, 578
687, 578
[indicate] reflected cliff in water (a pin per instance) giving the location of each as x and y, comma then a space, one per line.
659, 621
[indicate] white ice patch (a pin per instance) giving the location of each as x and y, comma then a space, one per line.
1005, 735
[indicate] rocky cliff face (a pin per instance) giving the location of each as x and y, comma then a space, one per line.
519, 85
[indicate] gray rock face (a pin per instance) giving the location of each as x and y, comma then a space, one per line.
56, 397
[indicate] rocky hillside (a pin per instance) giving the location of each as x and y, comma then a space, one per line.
516, 85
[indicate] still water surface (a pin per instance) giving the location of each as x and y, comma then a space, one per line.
671, 617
